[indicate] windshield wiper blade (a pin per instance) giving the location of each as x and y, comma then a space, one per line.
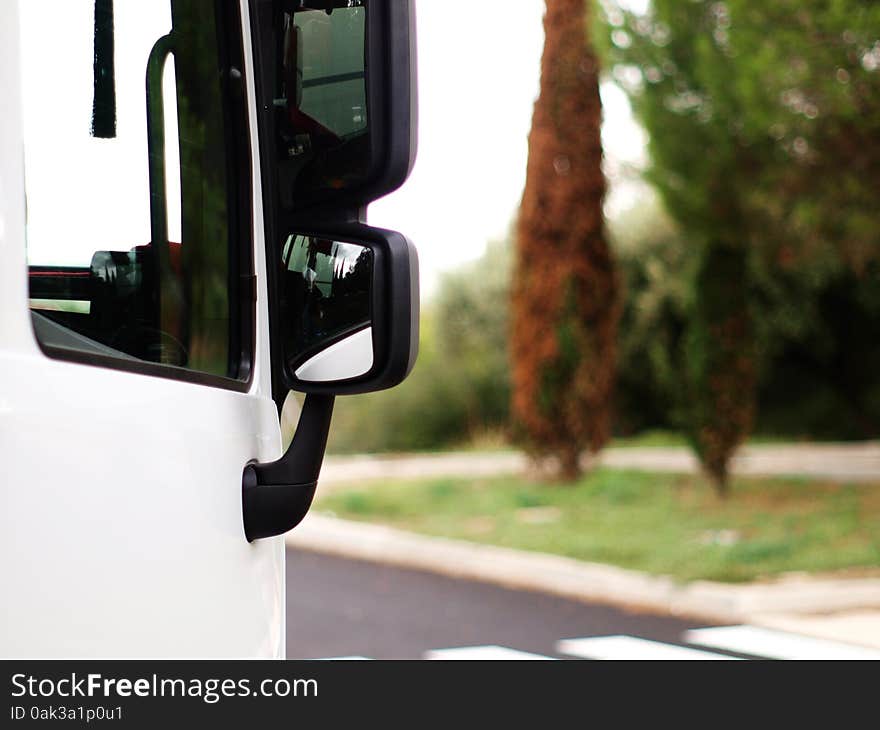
104, 100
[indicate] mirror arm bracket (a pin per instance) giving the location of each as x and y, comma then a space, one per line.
276, 496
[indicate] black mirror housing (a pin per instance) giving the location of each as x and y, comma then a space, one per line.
395, 99
337, 133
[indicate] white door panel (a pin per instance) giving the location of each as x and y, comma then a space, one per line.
123, 504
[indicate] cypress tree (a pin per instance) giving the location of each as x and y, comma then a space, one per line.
564, 307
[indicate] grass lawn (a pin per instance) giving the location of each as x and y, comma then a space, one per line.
661, 523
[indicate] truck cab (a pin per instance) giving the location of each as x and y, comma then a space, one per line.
183, 244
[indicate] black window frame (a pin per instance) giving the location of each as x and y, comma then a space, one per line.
242, 278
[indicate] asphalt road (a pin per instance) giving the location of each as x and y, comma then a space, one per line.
340, 608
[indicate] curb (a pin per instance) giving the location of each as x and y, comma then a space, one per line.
582, 581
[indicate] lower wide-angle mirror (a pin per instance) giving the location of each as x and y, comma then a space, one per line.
349, 310
330, 283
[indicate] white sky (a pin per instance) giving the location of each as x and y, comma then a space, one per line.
479, 76
84, 194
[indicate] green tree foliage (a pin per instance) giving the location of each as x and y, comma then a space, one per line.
764, 120
720, 359
472, 309
819, 351
564, 305
656, 280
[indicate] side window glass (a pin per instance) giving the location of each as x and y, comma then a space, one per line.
133, 245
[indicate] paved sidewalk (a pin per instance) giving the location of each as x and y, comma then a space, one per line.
861, 627
858, 462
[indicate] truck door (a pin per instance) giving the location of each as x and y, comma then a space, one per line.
135, 376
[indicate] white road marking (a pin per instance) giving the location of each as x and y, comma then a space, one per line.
483, 653
773, 644
630, 647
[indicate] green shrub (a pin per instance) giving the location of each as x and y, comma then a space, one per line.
655, 268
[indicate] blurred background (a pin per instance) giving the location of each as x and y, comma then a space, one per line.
791, 127
651, 295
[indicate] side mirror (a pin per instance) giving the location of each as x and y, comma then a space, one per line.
349, 310
343, 99
336, 93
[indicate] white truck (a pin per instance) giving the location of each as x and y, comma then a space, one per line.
183, 187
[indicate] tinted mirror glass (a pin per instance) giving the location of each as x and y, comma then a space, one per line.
328, 294
322, 122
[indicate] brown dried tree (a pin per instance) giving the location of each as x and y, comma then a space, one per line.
565, 288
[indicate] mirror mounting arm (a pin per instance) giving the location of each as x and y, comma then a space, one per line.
276, 496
